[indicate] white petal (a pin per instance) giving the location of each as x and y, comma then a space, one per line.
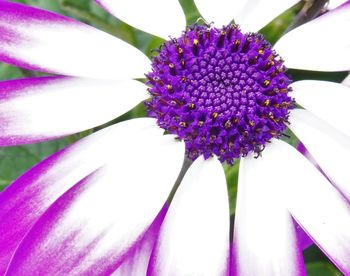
194, 238
251, 15
265, 240
158, 17
38, 109
332, 4
106, 214
320, 44
255, 14
314, 203
329, 147
221, 12
327, 100
44, 41
346, 81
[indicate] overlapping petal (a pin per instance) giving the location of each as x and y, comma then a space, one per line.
329, 147
23, 202
194, 238
38, 109
314, 202
251, 15
346, 81
320, 44
40, 40
158, 17
328, 100
265, 239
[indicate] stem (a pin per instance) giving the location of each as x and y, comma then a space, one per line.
185, 166
311, 9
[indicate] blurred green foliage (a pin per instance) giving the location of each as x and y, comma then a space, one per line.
16, 160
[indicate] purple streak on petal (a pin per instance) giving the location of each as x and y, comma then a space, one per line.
20, 140
41, 229
14, 13
129, 263
233, 258
15, 88
303, 239
20, 205
304, 151
99, 2
330, 256
43, 246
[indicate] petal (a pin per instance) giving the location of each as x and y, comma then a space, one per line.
251, 15
194, 238
346, 81
327, 100
24, 201
158, 17
329, 147
40, 40
38, 109
320, 44
255, 14
137, 260
314, 203
221, 12
332, 4
265, 238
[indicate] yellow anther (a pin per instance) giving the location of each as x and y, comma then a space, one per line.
169, 87
237, 42
261, 51
267, 102
195, 41
266, 82
251, 123
183, 124
215, 115
191, 105
200, 123
180, 50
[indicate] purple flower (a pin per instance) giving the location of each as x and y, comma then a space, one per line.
87, 210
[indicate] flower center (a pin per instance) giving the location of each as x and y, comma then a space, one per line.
222, 92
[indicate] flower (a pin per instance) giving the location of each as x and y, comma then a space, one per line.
85, 211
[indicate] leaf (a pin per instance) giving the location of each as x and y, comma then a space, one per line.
14, 161
321, 269
8, 72
231, 173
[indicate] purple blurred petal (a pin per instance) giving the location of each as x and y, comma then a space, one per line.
25, 200
93, 228
39, 40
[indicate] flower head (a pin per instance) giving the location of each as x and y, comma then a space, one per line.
225, 93
221, 91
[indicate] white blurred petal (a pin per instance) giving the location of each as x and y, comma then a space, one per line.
194, 238
321, 44
327, 100
158, 17
265, 240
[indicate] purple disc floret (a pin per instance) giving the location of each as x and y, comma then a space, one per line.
222, 92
